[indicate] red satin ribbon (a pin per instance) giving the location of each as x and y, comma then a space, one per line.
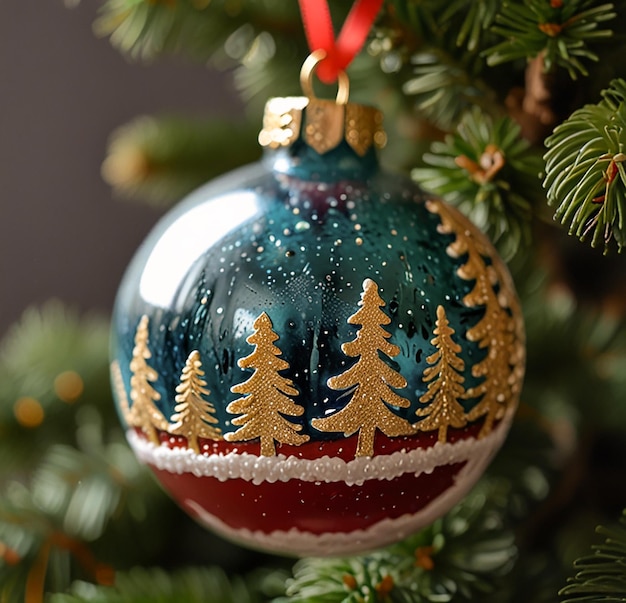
319, 31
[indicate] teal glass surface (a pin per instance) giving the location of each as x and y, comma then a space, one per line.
294, 236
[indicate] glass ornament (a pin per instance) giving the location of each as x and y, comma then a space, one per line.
312, 355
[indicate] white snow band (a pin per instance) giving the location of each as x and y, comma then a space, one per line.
258, 469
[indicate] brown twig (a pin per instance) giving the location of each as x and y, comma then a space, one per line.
533, 106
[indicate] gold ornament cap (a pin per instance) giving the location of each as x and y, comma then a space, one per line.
322, 124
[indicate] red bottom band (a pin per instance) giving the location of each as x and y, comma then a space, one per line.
313, 507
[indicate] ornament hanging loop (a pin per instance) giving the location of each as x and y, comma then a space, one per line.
308, 70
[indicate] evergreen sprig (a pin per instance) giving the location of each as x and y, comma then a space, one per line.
443, 88
476, 18
602, 575
161, 159
53, 362
257, 41
421, 18
52, 526
490, 172
585, 171
144, 30
189, 585
591, 349
558, 31
458, 557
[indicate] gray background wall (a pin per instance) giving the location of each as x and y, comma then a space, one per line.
62, 92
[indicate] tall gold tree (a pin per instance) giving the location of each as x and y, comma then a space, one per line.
262, 411
498, 332
194, 416
368, 408
445, 379
143, 412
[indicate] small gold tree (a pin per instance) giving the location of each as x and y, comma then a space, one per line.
143, 412
262, 410
499, 332
194, 416
367, 410
445, 380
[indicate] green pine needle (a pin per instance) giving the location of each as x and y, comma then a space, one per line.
53, 363
46, 341
144, 30
601, 577
443, 88
253, 38
422, 18
477, 17
190, 585
561, 33
489, 172
75, 503
585, 169
161, 159
458, 557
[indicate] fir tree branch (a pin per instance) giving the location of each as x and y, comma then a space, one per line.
421, 19
590, 346
189, 585
477, 17
52, 363
162, 159
585, 169
444, 88
144, 30
458, 557
72, 498
490, 173
561, 32
602, 575
259, 42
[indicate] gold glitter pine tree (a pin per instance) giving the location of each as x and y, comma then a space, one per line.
445, 380
367, 410
143, 412
495, 332
194, 416
262, 410
117, 382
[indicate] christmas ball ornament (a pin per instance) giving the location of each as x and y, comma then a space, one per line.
313, 356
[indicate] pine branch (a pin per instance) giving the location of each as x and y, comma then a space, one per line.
252, 38
443, 88
477, 16
71, 501
459, 557
589, 346
602, 575
559, 31
585, 171
162, 159
489, 172
421, 19
144, 30
190, 585
52, 363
